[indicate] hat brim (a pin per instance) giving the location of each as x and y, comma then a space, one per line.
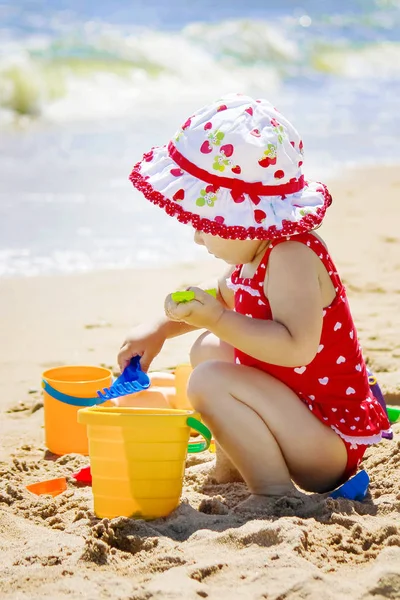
213, 210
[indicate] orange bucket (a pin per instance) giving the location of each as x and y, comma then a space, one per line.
65, 391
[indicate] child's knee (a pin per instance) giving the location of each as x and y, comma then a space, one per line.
202, 383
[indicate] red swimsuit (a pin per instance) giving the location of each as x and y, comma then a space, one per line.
334, 385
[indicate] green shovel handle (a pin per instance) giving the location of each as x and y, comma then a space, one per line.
188, 295
204, 431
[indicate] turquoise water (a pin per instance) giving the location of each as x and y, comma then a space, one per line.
85, 88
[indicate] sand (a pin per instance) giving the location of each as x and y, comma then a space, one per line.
327, 548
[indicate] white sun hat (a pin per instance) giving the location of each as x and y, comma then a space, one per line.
234, 170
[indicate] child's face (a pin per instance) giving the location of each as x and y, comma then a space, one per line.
233, 252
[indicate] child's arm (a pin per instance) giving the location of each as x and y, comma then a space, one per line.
292, 287
147, 340
292, 337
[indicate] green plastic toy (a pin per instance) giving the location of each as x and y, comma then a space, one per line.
393, 413
189, 295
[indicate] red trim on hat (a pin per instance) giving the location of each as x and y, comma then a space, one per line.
172, 208
238, 186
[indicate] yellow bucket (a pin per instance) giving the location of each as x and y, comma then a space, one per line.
66, 390
137, 458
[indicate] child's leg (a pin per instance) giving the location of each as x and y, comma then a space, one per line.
265, 429
209, 347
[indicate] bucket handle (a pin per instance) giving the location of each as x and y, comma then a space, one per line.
204, 431
72, 400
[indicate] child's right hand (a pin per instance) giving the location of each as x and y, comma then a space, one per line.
145, 341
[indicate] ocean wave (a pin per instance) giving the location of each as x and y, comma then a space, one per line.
103, 71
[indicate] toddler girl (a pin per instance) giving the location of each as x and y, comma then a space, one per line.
278, 376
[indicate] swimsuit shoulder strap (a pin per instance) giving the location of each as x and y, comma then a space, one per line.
307, 239
317, 246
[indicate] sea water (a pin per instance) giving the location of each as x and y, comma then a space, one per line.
86, 87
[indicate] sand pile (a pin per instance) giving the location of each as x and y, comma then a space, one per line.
338, 548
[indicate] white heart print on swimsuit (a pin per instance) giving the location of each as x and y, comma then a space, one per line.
335, 383
234, 169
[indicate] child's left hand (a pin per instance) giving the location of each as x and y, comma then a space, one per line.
202, 312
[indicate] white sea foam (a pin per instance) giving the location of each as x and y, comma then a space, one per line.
89, 99
105, 72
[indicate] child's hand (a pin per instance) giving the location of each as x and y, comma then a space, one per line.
202, 312
145, 341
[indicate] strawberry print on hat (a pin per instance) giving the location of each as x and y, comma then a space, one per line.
250, 154
213, 139
269, 157
179, 195
208, 196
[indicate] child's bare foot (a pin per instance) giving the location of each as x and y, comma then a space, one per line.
259, 503
225, 471
221, 469
212, 469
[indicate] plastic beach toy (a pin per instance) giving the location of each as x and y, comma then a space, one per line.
393, 413
52, 487
66, 389
377, 392
137, 458
167, 390
354, 489
132, 380
83, 475
188, 295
